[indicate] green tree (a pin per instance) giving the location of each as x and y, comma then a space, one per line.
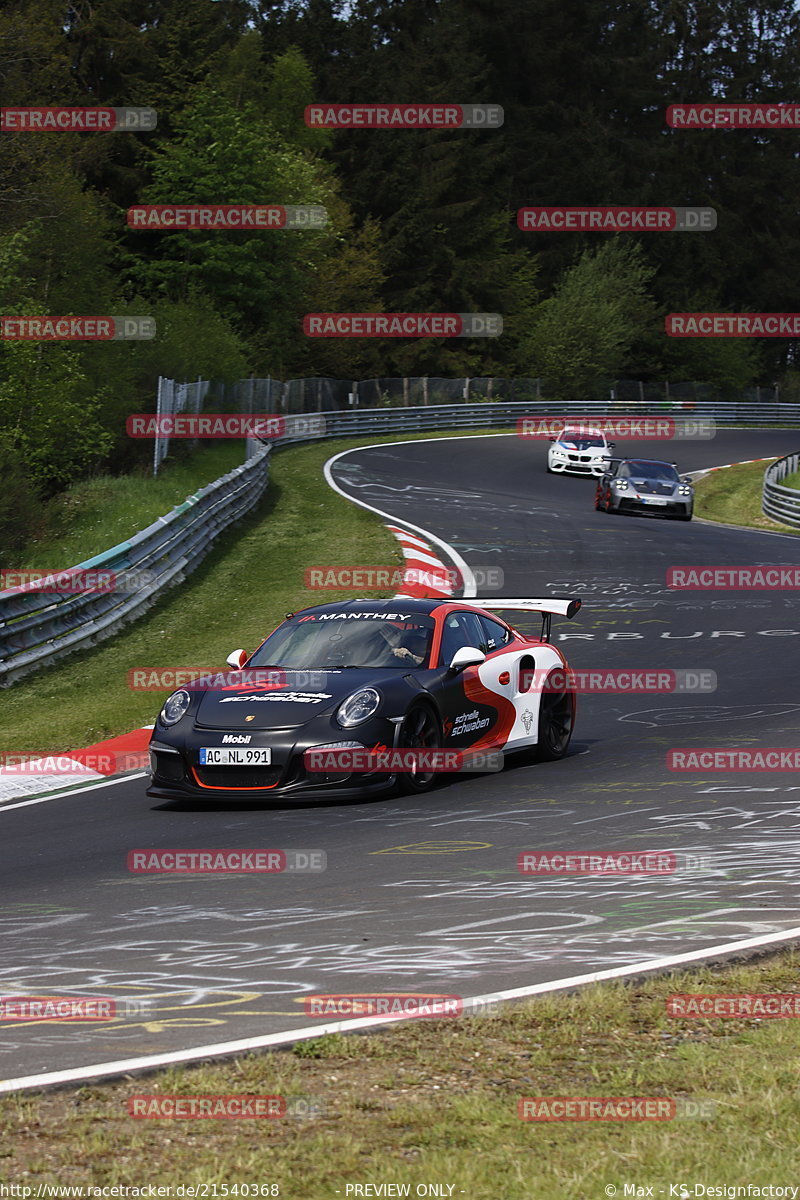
262, 282
583, 334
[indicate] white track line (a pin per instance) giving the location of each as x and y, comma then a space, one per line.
246, 1045
95, 787
470, 586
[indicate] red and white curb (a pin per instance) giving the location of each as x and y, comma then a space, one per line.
62, 772
726, 466
425, 574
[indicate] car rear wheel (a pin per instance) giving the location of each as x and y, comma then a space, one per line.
556, 719
421, 730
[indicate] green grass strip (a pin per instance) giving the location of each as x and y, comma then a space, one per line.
435, 1101
733, 497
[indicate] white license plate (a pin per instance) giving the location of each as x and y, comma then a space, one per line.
235, 756
653, 500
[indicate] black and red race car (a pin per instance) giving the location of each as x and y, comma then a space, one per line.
364, 674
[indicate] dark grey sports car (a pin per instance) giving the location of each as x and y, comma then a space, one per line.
646, 486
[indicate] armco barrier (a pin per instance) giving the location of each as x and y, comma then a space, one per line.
505, 414
782, 503
37, 628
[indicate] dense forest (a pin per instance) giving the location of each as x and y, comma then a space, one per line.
419, 221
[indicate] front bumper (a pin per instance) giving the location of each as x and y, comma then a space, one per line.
571, 467
671, 508
176, 774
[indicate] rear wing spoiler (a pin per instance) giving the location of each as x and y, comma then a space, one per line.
559, 606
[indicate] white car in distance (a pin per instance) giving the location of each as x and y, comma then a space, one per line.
579, 450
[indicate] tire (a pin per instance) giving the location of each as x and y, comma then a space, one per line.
556, 722
597, 498
421, 728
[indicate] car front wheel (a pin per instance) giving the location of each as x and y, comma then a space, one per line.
421, 730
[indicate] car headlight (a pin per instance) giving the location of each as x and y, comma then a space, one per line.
684, 490
175, 707
358, 708
621, 484
558, 453
599, 458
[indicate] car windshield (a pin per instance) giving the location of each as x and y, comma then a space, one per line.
348, 639
639, 469
584, 441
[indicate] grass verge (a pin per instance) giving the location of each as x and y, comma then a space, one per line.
435, 1101
245, 586
97, 514
733, 497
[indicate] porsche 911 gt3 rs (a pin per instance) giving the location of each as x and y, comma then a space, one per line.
645, 485
366, 675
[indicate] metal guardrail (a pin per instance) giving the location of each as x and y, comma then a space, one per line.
782, 503
504, 415
38, 628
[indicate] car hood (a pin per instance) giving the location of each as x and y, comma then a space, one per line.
654, 487
298, 697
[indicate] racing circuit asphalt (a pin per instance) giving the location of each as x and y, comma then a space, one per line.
422, 893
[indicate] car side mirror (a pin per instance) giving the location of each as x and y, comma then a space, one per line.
237, 659
611, 445
686, 479
552, 439
466, 656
